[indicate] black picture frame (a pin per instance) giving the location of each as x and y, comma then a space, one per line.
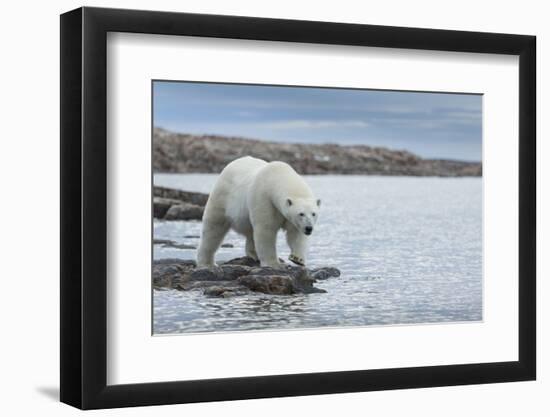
84, 207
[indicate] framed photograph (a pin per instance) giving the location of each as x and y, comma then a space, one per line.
259, 208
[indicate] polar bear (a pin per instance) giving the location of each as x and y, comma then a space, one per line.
257, 199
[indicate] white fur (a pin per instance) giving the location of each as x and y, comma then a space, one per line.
256, 199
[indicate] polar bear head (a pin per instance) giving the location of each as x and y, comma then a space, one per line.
303, 213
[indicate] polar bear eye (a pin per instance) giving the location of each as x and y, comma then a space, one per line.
302, 214
313, 214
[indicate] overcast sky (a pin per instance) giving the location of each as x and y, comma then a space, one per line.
428, 124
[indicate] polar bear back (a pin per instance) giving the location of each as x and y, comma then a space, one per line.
278, 181
249, 186
228, 198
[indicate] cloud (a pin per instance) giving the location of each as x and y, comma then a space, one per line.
313, 124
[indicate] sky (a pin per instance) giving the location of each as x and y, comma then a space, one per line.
431, 125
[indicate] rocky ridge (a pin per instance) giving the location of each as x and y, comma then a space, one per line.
184, 153
172, 204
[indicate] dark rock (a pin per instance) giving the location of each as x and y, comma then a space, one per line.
268, 284
215, 291
224, 292
168, 274
325, 273
227, 245
184, 211
185, 262
195, 285
198, 199
179, 245
289, 270
162, 205
303, 282
237, 277
245, 260
163, 242
232, 272
207, 274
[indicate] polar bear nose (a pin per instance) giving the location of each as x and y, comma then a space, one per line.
308, 230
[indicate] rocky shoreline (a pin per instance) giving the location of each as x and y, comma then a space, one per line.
172, 204
239, 276
184, 153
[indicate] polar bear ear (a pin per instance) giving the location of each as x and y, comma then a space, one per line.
288, 202
318, 203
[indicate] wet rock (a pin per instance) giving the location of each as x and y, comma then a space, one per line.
232, 272
163, 242
179, 245
168, 273
190, 263
172, 204
162, 205
237, 277
290, 270
245, 260
207, 274
268, 284
198, 199
224, 292
215, 291
325, 273
184, 211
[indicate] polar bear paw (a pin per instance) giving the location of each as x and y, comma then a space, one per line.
297, 260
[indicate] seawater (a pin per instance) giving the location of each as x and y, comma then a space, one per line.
409, 250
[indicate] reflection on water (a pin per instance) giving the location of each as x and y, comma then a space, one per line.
410, 251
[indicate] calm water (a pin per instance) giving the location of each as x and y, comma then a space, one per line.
409, 249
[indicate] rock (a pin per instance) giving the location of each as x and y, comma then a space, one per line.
184, 211
171, 204
198, 199
163, 242
232, 272
227, 245
168, 273
245, 260
207, 274
162, 205
179, 245
280, 284
215, 291
268, 284
223, 292
291, 270
325, 273
237, 277
189, 263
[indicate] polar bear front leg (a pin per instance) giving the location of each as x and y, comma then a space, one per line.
265, 240
298, 244
213, 232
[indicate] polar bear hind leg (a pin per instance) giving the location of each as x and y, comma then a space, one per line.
250, 248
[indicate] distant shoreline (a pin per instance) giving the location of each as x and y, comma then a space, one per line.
185, 153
